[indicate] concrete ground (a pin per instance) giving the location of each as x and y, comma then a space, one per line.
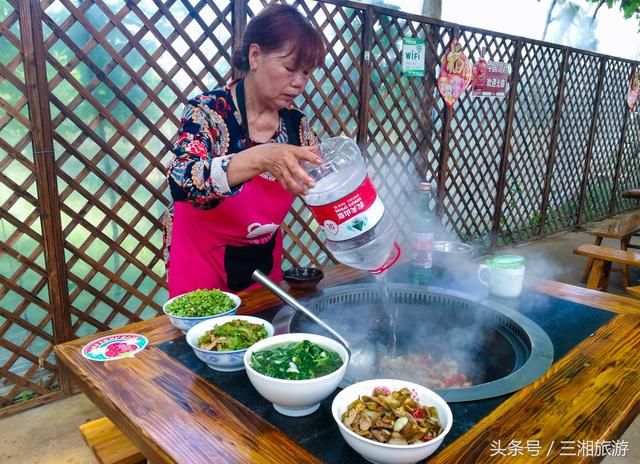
49, 434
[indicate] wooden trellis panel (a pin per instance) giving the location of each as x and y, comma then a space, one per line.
118, 75
602, 169
571, 154
405, 116
531, 142
476, 145
629, 176
27, 365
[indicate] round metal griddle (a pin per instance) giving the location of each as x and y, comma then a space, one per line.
499, 349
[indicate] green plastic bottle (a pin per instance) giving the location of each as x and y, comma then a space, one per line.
421, 246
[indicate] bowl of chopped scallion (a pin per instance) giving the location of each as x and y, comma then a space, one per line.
296, 371
188, 309
222, 342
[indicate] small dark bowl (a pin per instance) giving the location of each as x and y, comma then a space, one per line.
303, 278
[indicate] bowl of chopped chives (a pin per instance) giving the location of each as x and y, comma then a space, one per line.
188, 309
296, 371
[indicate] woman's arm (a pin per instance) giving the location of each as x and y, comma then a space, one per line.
282, 161
197, 172
202, 172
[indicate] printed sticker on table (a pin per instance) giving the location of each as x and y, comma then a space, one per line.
413, 54
634, 90
455, 74
115, 346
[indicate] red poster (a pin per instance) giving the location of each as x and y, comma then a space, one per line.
455, 74
490, 79
634, 90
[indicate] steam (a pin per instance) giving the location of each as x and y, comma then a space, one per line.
437, 330
539, 265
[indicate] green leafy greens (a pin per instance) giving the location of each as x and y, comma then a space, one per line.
237, 334
296, 361
200, 303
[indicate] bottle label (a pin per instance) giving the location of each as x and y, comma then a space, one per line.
352, 215
422, 248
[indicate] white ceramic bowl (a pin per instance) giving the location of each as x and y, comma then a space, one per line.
225, 361
383, 453
185, 323
296, 398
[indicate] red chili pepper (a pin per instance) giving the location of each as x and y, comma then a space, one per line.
418, 413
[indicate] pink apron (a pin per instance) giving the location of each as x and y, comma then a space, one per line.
220, 247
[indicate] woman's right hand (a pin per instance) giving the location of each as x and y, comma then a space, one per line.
282, 161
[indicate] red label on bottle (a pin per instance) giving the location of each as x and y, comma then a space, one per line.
342, 210
422, 248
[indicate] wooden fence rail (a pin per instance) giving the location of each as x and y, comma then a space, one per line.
91, 93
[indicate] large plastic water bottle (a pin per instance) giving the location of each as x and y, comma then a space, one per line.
358, 231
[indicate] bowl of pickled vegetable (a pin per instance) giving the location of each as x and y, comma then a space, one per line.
391, 421
296, 371
188, 309
222, 342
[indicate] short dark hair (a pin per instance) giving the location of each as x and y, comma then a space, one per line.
276, 26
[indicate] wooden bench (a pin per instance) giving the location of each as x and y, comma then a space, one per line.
602, 258
618, 229
109, 444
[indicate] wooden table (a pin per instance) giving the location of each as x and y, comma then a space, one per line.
174, 416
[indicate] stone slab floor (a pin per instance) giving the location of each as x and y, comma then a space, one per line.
49, 434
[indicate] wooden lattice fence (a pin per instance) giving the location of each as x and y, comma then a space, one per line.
90, 96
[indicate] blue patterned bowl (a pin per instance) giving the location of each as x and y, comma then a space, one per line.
225, 361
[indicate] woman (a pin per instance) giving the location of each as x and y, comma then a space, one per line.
236, 168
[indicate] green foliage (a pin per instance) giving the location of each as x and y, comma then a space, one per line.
629, 8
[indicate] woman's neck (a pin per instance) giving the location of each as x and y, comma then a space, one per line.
262, 117
255, 105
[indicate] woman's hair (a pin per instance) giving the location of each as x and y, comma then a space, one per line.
274, 28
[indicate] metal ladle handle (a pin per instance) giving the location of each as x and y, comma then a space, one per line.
288, 299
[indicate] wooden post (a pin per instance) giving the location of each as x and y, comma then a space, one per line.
554, 141
45, 165
426, 119
623, 136
239, 16
443, 162
365, 79
592, 137
506, 144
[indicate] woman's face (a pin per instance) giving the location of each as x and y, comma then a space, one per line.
278, 80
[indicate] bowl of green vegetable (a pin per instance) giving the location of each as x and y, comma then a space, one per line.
188, 309
296, 371
222, 342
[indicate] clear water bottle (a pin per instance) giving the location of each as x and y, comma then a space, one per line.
421, 248
358, 231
